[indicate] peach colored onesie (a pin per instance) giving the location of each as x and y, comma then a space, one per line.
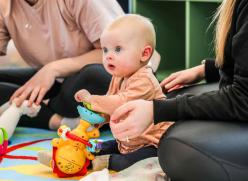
140, 85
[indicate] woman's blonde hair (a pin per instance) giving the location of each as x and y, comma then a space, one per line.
224, 19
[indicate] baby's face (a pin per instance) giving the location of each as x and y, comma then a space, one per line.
121, 53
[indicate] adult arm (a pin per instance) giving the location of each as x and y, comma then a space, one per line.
211, 71
90, 17
228, 103
36, 88
4, 37
176, 80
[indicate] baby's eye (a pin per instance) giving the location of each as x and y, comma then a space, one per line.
117, 49
105, 50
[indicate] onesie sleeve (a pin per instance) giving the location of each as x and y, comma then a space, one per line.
138, 88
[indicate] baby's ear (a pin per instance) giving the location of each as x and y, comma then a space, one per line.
147, 53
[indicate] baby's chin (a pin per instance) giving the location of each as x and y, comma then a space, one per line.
115, 73
120, 74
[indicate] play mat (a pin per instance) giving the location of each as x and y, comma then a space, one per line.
31, 170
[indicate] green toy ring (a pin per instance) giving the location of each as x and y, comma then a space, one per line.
3, 141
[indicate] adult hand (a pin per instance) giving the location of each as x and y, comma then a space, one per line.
131, 119
35, 89
179, 79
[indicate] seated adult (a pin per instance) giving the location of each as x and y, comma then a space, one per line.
208, 142
60, 42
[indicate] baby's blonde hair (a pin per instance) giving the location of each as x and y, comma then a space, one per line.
142, 25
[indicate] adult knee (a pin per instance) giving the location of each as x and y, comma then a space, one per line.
92, 77
7, 89
186, 153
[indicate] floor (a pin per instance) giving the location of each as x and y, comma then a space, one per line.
29, 170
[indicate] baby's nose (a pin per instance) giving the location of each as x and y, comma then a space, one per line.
109, 57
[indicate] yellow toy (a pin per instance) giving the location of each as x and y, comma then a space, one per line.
72, 151
70, 154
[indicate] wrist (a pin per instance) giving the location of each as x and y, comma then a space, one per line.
53, 69
203, 64
201, 70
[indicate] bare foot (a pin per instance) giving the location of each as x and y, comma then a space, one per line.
55, 122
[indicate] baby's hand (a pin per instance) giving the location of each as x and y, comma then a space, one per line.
82, 96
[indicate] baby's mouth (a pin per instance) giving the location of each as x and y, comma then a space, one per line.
111, 66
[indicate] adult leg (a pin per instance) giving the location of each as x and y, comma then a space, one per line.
11, 80
119, 162
205, 150
194, 89
6, 90
93, 78
108, 147
110, 156
16, 76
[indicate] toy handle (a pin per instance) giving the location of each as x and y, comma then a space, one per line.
96, 146
76, 138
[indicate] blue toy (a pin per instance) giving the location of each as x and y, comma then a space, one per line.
90, 116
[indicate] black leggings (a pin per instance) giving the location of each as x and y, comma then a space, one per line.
118, 161
92, 77
205, 150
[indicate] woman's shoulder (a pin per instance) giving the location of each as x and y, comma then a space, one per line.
93, 6
242, 6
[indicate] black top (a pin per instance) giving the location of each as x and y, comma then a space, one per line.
230, 102
211, 71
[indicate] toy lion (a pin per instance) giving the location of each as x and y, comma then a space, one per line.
71, 153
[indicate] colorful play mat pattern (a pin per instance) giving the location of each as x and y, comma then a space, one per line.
29, 170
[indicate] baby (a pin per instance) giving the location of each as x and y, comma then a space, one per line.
127, 44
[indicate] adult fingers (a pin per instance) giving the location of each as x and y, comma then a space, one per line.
168, 79
173, 83
120, 132
125, 135
118, 127
41, 95
24, 95
17, 93
121, 111
33, 95
178, 86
